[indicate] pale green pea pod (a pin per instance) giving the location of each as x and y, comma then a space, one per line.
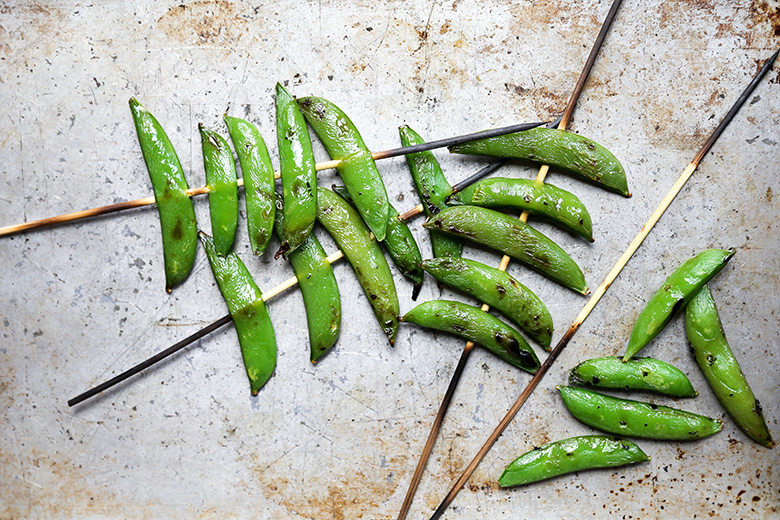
640, 373
221, 179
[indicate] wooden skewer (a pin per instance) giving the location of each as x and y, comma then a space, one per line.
594, 299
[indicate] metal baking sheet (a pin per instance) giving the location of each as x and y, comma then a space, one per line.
339, 440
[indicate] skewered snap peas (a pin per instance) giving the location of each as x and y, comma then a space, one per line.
221, 179
640, 373
570, 455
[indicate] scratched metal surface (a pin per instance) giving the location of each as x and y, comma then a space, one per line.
339, 440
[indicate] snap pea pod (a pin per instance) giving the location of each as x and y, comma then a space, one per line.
512, 237
247, 310
357, 168
297, 170
671, 297
567, 151
497, 289
364, 255
433, 189
221, 179
177, 214
636, 419
476, 325
258, 175
720, 367
570, 455
544, 200
640, 373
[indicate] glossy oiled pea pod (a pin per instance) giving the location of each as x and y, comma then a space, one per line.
258, 176
544, 200
720, 367
476, 325
671, 297
297, 170
247, 309
364, 255
177, 214
357, 168
433, 189
497, 289
640, 373
564, 150
512, 237
636, 419
221, 179
570, 455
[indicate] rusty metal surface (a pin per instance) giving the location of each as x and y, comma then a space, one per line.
339, 440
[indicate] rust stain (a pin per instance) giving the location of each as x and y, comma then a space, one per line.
207, 23
545, 102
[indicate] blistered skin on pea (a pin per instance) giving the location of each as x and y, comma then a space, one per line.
721, 369
640, 373
221, 179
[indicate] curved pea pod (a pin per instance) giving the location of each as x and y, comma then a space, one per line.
636, 419
512, 237
567, 151
258, 176
497, 289
678, 289
221, 179
297, 170
247, 309
570, 455
478, 326
433, 189
640, 373
364, 255
544, 200
720, 367
357, 168
177, 214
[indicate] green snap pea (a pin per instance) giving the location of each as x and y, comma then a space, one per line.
258, 176
476, 325
567, 151
720, 367
364, 255
357, 168
636, 419
640, 373
513, 238
177, 214
544, 200
433, 189
678, 289
570, 455
297, 170
247, 309
221, 179
497, 289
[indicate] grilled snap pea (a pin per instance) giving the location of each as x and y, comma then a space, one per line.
258, 175
478, 326
671, 297
297, 170
640, 373
433, 189
364, 255
570, 455
636, 419
357, 168
177, 214
512, 237
564, 150
250, 317
497, 289
544, 200
221, 179
720, 367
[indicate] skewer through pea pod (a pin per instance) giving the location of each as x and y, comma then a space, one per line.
720, 367
678, 289
221, 180
640, 373
512, 237
567, 151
